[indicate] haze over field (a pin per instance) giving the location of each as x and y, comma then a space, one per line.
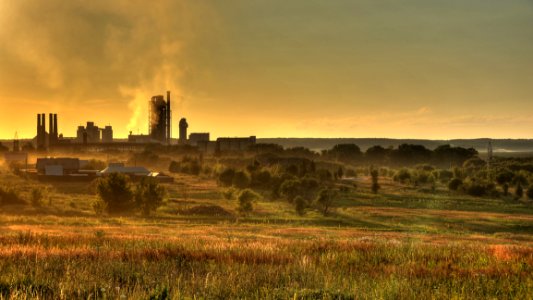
416, 69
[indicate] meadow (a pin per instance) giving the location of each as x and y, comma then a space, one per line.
400, 243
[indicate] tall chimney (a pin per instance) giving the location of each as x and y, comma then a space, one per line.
169, 120
55, 128
38, 130
50, 127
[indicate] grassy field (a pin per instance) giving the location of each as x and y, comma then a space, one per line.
400, 243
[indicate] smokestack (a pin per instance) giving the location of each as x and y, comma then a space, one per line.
38, 129
55, 127
169, 121
50, 128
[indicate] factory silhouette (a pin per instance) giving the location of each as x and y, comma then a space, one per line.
93, 138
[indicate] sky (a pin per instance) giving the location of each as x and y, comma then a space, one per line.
436, 69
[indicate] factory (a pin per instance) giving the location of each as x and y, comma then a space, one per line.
94, 138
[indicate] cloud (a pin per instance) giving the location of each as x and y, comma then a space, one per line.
72, 52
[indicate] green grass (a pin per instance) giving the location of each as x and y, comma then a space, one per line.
401, 243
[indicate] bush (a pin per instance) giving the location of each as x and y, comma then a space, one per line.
477, 189
241, 180
115, 191
375, 177
10, 196
226, 177
402, 176
529, 192
149, 196
519, 192
325, 200
37, 197
229, 193
455, 184
246, 198
300, 205
290, 189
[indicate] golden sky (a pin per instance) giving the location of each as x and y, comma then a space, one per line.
299, 68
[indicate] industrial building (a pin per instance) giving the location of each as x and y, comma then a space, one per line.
195, 138
57, 166
93, 138
44, 139
91, 134
160, 119
183, 131
221, 145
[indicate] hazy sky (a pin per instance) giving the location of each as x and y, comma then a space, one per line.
298, 68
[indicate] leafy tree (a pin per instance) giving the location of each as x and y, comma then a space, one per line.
116, 192
300, 205
344, 152
325, 200
290, 189
246, 198
340, 173
241, 180
402, 176
529, 192
226, 177
374, 174
519, 192
455, 184
149, 196
261, 178
377, 154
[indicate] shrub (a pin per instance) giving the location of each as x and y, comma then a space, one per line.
402, 176
476, 189
290, 189
10, 196
299, 205
226, 177
149, 196
246, 198
241, 180
261, 178
455, 184
529, 192
325, 200
519, 192
229, 193
115, 191
37, 197
375, 177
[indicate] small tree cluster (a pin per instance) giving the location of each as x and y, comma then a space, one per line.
116, 195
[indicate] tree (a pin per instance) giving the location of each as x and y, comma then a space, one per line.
325, 200
340, 173
116, 193
226, 177
377, 154
454, 184
519, 192
241, 180
375, 177
344, 152
3, 148
299, 205
529, 192
290, 189
246, 198
149, 196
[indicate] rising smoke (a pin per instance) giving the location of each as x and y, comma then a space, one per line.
116, 52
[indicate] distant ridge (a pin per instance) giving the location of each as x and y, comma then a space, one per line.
317, 144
